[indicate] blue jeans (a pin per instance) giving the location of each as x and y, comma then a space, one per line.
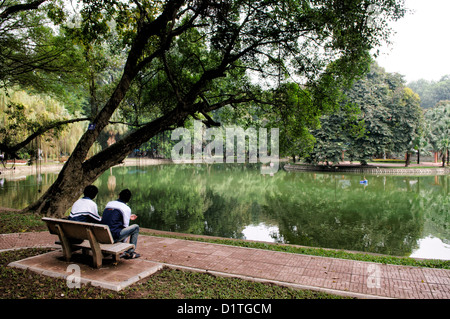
133, 232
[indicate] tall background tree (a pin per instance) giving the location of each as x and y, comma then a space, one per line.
379, 116
431, 92
438, 121
189, 58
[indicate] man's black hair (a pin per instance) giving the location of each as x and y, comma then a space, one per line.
91, 191
125, 196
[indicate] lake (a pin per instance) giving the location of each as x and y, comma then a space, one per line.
394, 215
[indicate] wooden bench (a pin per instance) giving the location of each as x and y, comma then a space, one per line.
96, 237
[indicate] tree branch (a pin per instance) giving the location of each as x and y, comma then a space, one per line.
12, 150
170, 78
20, 7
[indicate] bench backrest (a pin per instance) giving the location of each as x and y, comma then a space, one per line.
78, 230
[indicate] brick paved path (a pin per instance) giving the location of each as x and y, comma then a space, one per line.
355, 278
22, 240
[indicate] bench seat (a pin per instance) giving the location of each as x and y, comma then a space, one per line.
96, 237
113, 249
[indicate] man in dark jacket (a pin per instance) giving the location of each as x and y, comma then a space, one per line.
117, 216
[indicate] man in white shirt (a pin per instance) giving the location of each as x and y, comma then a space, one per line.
85, 209
117, 216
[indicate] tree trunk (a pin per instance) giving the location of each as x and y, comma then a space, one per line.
408, 159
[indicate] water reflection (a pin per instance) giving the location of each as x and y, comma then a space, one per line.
388, 214
261, 232
432, 248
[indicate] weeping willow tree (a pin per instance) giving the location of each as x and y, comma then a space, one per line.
27, 118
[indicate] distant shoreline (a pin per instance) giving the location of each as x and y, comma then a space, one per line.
53, 167
373, 168
428, 168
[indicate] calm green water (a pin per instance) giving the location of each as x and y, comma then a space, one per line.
396, 215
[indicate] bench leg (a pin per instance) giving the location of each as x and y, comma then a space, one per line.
85, 251
96, 250
66, 246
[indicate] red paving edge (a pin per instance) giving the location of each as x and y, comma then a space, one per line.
338, 276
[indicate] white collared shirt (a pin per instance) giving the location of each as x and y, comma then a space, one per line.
85, 206
123, 208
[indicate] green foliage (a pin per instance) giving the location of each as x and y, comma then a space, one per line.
260, 36
25, 113
431, 92
438, 124
378, 116
33, 53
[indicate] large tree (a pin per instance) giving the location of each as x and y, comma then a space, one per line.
379, 116
438, 132
201, 50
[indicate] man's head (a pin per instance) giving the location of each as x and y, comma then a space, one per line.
90, 191
125, 196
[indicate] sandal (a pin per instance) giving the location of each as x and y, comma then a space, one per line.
123, 255
132, 255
